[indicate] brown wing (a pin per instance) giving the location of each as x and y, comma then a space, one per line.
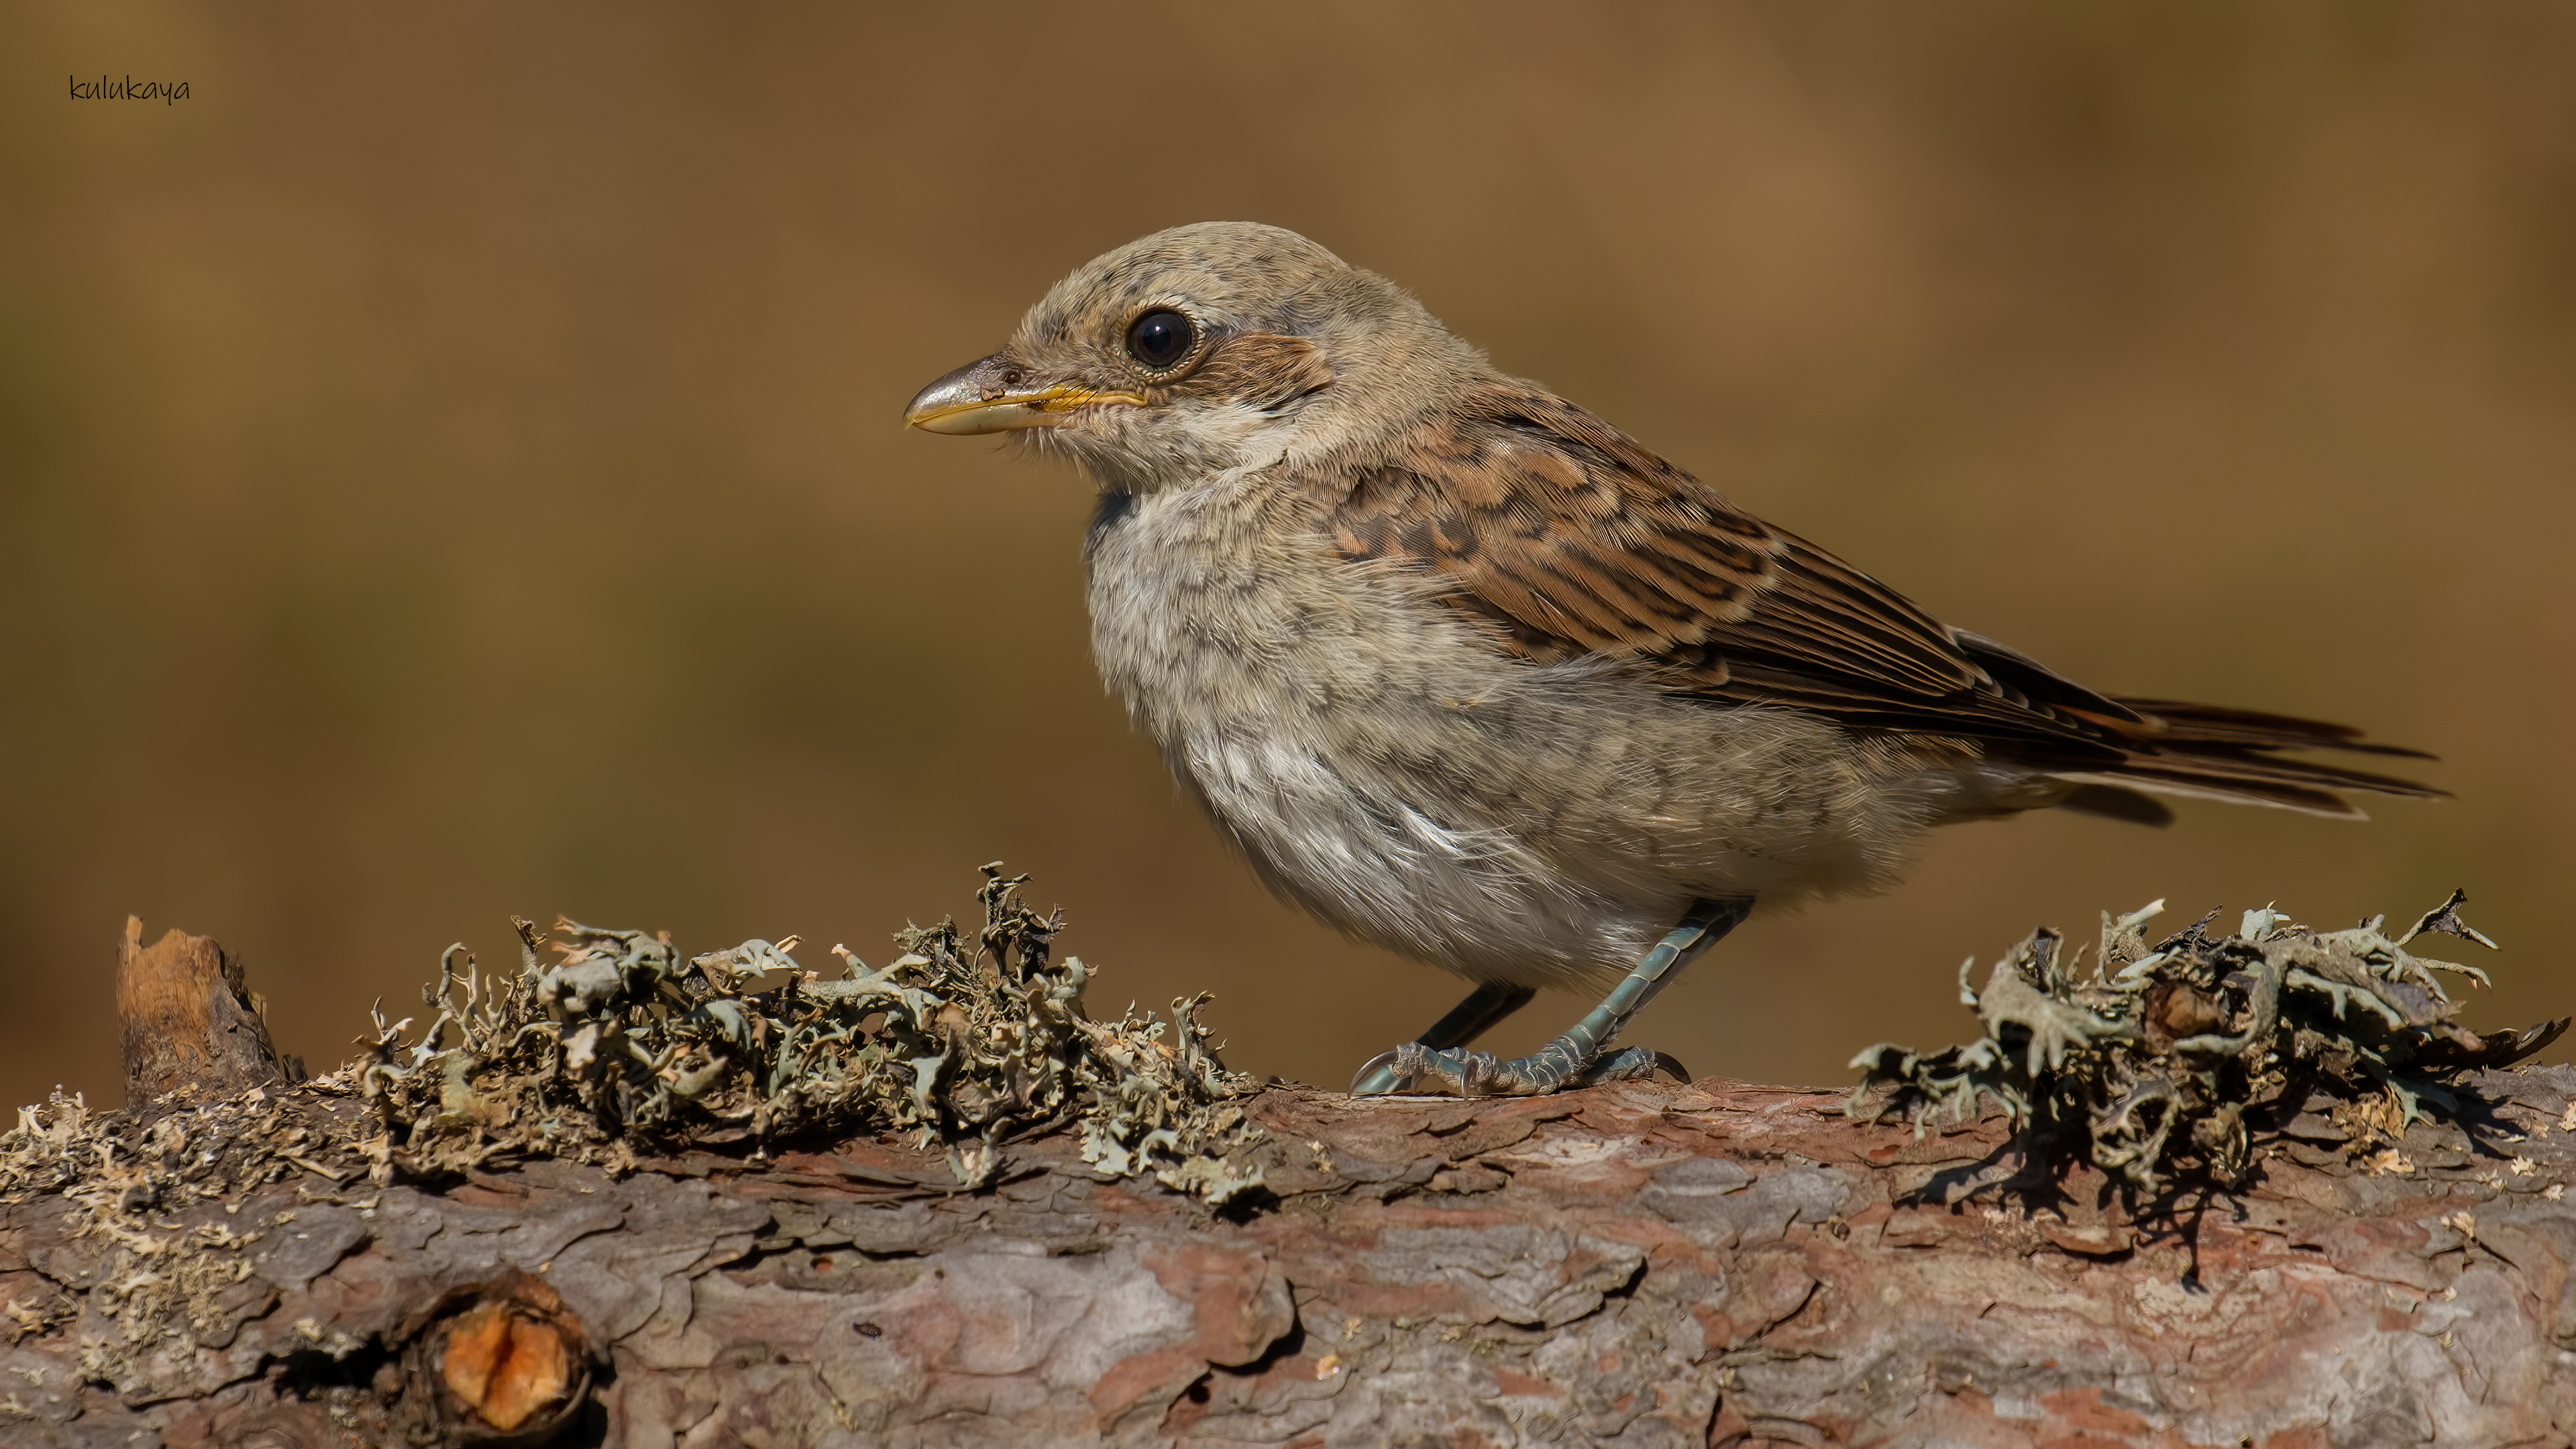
1574, 540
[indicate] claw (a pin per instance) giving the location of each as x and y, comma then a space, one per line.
1377, 1076
1580, 1057
1633, 1064
1414, 1067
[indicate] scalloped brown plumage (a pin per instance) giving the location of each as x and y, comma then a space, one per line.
1572, 539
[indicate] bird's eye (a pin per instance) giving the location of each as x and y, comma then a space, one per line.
1161, 338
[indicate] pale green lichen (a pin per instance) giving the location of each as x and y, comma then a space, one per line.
619, 1049
624, 1045
2165, 1060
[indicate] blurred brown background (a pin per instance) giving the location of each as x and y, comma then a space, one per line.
449, 464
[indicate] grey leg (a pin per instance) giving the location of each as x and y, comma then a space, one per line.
1577, 1058
1488, 1004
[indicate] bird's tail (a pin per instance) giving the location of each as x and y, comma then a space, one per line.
2216, 753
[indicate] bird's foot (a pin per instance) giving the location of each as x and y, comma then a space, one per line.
1440, 1062
1418, 1069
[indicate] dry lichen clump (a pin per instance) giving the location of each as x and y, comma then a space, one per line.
620, 1047
169, 1278
2166, 1060
624, 1043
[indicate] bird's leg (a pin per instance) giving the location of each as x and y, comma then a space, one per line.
1575, 1059
1489, 1003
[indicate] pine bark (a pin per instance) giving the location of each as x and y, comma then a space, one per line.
1646, 1264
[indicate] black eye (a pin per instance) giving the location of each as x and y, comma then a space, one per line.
1161, 339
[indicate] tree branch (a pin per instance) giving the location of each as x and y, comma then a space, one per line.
1713, 1263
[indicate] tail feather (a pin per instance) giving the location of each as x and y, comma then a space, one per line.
2216, 753
2156, 779
2218, 724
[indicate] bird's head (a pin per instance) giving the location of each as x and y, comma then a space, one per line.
1203, 350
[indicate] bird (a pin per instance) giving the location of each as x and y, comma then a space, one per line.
1470, 674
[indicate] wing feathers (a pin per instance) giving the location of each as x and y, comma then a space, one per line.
1575, 540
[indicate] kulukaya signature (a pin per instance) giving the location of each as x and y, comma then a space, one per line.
128, 89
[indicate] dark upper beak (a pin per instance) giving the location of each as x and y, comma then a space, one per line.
996, 394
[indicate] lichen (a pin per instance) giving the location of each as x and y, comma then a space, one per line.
625, 1045
165, 1275
2164, 1062
619, 1049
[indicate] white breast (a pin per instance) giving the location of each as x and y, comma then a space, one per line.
1388, 769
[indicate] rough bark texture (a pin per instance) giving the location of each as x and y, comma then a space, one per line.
1636, 1264
1715, 1263
189, 1019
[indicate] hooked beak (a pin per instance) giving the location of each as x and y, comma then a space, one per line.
994, 395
